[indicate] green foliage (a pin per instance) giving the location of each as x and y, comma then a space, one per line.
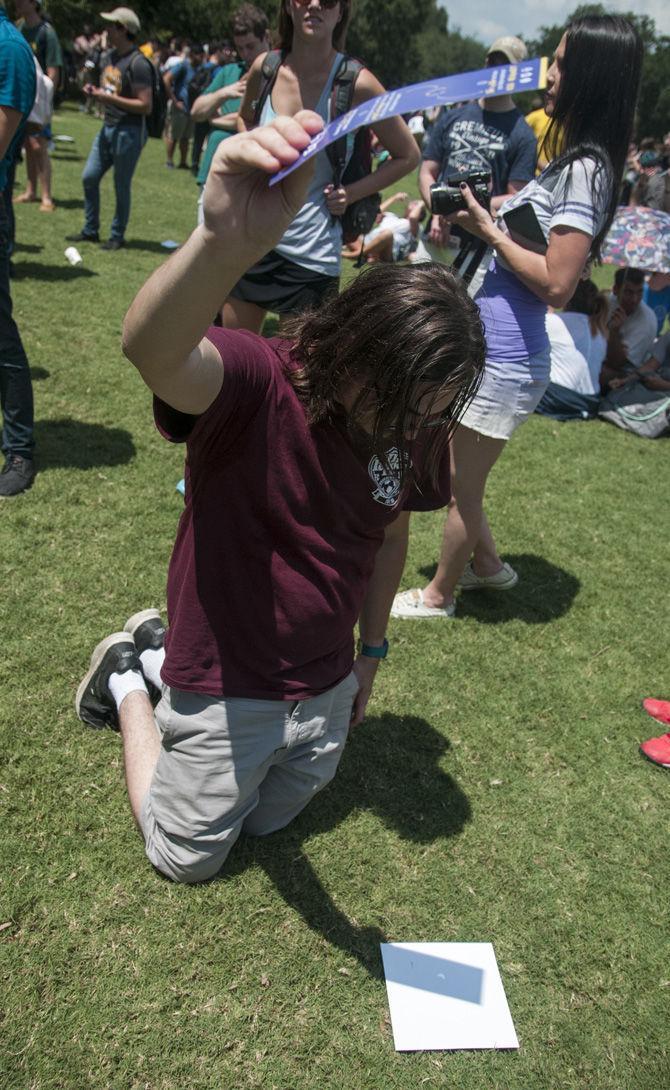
654, 103
402, 41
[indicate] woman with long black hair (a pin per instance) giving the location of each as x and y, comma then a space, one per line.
304, 268
592, 87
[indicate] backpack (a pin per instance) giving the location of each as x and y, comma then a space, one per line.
360, 216
40, 115
155, 120
202, 77
635, 408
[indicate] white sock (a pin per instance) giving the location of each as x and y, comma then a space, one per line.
130, 681
152, 660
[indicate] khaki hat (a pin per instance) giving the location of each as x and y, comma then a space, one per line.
513, 48
129, 20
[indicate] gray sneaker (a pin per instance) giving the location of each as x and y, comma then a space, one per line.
17, 476
504, 579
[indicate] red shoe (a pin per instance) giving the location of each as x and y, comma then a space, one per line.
657, 750
658, 709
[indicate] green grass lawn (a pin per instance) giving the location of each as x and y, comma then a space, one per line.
494, 794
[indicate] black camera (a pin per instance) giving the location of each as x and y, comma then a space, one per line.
447, 197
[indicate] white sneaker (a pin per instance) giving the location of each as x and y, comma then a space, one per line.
504, 579
410, 603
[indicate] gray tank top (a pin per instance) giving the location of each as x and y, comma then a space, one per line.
314, 238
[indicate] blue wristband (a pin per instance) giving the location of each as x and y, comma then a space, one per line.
374, 652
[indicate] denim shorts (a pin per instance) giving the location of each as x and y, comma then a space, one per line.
508, 394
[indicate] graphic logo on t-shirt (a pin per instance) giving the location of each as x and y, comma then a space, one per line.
386, 478
111, 80
473, 146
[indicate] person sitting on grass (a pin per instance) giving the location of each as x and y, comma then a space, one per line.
578, 343
632, 327
393, 237
304, 459
657, 296
654, 373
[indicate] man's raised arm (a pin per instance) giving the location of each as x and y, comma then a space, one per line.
163, 334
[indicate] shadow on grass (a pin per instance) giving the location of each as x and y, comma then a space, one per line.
391, 767
70, 202
35, 270
27, 248
69, 443
148, 245
544, 593
37, 374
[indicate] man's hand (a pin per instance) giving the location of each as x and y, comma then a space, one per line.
239, 207
233, 90
336, 200
438, 232
365, 669
617, 318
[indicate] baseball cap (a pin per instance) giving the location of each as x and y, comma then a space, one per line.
513, 48
125, 16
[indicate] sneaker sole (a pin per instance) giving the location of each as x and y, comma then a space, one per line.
11, 495
99, 653
423, 616
659, 764
133, 623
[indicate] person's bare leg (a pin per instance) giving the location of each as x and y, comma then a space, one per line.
183, 152
30, 192
485, 559
381, 247
236, 314
44, 175
170, 145
472, 458
141, 747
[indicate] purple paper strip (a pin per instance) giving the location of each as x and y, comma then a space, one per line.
484, 83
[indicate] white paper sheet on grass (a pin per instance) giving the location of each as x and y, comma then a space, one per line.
446, 995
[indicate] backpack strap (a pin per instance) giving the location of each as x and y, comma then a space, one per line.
341, 100
272, 62
153, 71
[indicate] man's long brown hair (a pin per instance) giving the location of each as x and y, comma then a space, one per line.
406, 336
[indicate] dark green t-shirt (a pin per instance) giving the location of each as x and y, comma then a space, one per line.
230, 73
44, 43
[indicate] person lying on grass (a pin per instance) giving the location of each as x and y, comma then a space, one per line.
393, 237
304, 457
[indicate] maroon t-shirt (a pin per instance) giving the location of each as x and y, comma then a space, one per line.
278, 537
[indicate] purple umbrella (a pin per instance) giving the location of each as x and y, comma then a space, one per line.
639, 238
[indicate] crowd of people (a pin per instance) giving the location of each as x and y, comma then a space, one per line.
307, 453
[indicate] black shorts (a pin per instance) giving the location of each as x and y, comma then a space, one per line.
277, 284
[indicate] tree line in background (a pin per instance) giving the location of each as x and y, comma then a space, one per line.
403, 41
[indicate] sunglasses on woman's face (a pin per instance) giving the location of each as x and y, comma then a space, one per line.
322, 3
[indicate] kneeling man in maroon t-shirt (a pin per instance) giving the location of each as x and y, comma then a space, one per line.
304, 457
